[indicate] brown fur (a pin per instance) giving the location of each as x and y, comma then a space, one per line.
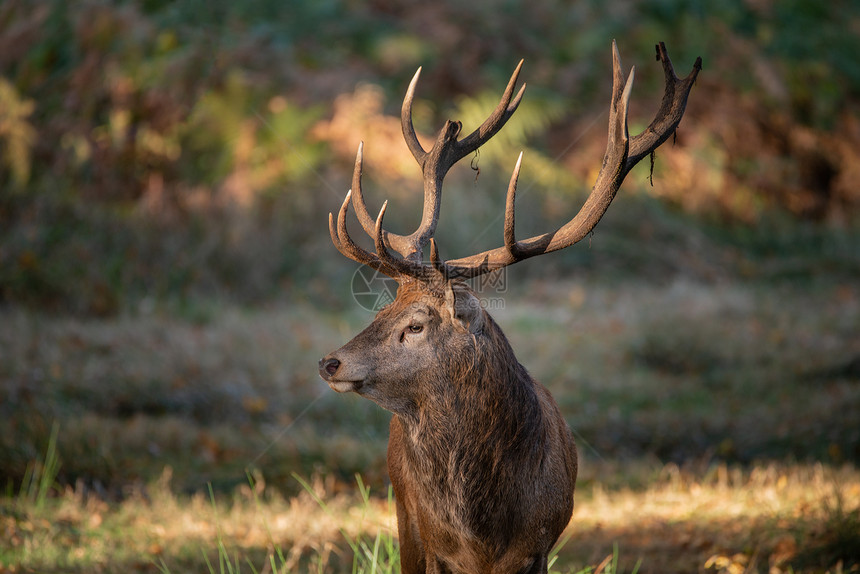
482, 463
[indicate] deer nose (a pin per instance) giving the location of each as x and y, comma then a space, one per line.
328, 367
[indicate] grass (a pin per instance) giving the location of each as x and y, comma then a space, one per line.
643, 360
724, 379
684, 396
776, 518
381, 554
40, 476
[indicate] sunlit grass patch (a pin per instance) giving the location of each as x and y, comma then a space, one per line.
253, 525
685, 519
785, 518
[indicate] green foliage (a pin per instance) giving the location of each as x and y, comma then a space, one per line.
817, 55
187, 129
41, 475
534, 116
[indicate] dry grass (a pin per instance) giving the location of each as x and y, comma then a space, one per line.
769, 519
154, 527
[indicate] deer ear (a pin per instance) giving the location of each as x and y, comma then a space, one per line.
465, 308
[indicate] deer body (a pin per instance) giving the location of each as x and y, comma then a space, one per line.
482, 463
495, 504
463, 504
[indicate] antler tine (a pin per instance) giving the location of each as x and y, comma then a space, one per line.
446, 151
618, 160
403, 267
406, 122
381, 250
503, 112
361, 212
398, 242
344, 243
510, 237
333, 233
340, 236
350, 249
436, 260
497, 119
671, 109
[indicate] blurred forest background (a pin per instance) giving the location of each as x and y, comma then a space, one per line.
167, 280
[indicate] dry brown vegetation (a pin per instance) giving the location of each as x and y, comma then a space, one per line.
774, 519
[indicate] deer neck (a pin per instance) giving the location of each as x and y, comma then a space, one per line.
491, 403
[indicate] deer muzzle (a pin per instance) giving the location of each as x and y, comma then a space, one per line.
329, 367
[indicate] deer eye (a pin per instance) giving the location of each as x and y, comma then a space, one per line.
412, 330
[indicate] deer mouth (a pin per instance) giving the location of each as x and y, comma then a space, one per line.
329, 367
344, 386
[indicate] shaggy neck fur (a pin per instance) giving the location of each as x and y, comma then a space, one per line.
489, 397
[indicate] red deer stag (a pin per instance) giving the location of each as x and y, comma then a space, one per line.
482, 463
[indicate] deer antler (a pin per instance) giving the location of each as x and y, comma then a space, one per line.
382, 260
622, 154
446, 151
